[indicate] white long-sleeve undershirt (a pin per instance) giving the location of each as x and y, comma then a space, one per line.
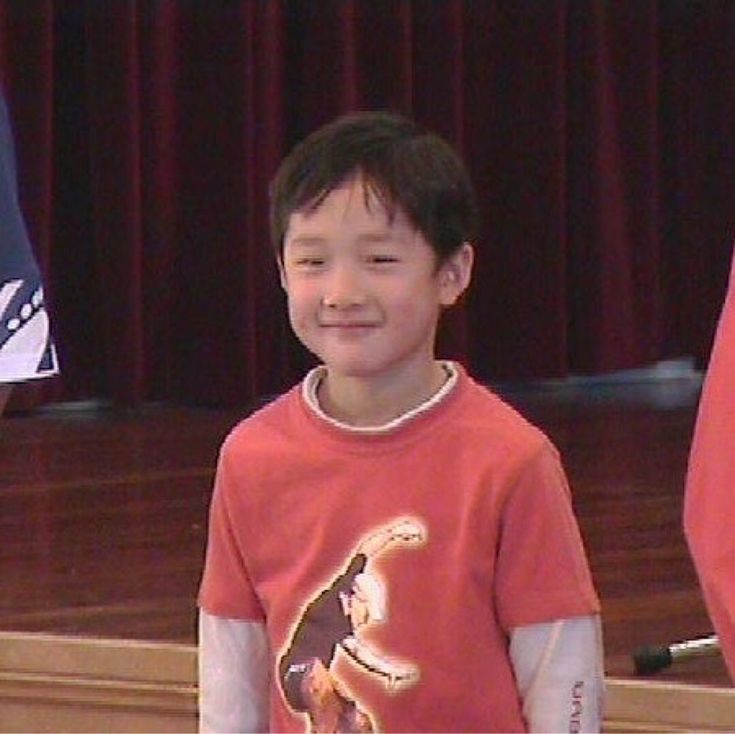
558, 667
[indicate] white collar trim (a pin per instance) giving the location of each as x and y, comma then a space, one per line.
310, 387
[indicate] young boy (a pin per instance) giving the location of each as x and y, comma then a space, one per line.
26, 350
391, 547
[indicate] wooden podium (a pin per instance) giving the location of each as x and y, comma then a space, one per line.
50, 683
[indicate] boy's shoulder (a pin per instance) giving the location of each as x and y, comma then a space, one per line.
487, 417
267, 422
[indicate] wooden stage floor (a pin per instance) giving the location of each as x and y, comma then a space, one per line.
103, 514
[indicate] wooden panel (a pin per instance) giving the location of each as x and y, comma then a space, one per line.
644, 706
56, 684
60, 684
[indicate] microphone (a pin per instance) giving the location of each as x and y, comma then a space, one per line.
652, 658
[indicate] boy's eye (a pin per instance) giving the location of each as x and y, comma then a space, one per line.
382, 259
309, 262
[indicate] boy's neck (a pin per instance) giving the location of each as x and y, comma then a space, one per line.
367, 402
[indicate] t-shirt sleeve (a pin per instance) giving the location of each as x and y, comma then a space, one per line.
226, 589
542, 571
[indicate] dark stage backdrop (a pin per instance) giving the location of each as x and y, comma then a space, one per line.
600, 135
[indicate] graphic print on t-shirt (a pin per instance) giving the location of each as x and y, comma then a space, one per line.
332, 622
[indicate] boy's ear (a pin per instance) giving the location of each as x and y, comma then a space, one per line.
455, 274
282, 273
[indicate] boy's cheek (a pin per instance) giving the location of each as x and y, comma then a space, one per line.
303, 296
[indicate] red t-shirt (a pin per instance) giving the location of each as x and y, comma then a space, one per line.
298, 504
710, 487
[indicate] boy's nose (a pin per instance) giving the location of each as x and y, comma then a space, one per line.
344, 289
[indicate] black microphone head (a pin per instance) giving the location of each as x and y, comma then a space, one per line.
651, 659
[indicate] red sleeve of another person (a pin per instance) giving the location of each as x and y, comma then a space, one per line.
709, 510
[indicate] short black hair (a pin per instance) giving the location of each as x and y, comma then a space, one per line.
404, 165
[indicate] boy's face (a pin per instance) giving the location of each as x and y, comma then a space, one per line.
364, 292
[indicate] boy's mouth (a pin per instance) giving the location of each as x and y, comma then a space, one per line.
348, 324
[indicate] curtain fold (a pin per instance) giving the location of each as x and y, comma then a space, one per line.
599, 136
614, 256
118, 143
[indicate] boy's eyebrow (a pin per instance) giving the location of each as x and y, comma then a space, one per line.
378, 236
307, 241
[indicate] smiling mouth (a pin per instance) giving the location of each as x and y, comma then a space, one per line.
348, 325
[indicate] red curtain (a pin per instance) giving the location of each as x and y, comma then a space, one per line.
599, 135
